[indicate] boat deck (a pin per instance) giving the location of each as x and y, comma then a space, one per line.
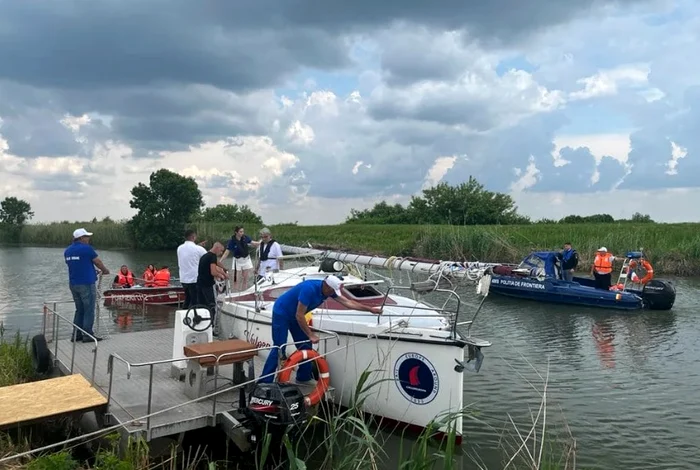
130, 396
35, 401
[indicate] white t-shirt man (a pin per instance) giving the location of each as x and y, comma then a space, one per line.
271, 262
188, 255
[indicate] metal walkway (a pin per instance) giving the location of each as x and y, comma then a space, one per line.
131, 397
35, 401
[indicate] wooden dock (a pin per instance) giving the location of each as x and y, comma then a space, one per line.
129, 396
35, 401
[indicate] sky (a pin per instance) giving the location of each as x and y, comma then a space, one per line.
304, 109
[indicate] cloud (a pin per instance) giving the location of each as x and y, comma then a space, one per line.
296, 109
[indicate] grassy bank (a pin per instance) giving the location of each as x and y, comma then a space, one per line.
674, 249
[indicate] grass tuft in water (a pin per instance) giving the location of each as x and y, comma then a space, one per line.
15, 359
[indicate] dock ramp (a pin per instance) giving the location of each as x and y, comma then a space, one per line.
51, 398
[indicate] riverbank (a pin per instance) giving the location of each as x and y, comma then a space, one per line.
674, 249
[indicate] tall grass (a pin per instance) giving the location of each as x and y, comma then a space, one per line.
672, 248
15, 359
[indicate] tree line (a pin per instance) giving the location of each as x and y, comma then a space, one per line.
468, 203
170, 202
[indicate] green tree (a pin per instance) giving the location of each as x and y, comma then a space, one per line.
165, 207
231, 213
468, 203
15, 212
640, 218
381, 213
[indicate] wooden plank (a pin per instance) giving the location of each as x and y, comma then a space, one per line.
221, 347
47, 398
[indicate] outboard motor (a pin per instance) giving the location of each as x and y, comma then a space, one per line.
278, 409
659, 295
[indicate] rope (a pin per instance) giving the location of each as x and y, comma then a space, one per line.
389, 263
107, 430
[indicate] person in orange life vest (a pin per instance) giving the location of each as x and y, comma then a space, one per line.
124, 278
148, 275
162, 277
602, 268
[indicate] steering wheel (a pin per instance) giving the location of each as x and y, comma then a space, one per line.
197, 319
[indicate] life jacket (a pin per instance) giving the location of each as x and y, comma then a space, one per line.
602, 263
265, 250
162, 278
242, 247
123, 280
148, 277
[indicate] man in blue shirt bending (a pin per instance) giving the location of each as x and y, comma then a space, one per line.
81, 259
288, 316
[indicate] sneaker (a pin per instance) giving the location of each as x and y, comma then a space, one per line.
89, 340
78, 339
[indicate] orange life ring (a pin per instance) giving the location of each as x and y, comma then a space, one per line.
647, 267
324, 375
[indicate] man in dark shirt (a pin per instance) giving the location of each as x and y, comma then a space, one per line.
569, 261
209, 271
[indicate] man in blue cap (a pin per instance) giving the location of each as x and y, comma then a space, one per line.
288, 316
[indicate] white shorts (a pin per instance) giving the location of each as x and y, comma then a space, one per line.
241, 264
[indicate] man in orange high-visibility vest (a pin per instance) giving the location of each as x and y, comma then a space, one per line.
602, 268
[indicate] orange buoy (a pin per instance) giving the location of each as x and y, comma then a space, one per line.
647, 268
324, 376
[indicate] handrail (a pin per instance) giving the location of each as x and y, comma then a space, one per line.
151, 364
110, 369
454, 315
54, 337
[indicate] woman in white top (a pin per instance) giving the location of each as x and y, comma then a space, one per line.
269, 253
239, 245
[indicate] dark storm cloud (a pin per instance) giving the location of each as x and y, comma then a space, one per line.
136, 59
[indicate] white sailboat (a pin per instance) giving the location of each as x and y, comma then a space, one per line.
418, 351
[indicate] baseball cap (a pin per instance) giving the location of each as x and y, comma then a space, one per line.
81, 232
603, 249
334, 283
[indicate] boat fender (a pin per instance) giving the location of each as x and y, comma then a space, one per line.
646, 265
324, 377
41, 356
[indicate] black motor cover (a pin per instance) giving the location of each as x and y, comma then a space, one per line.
276, 404
659, 295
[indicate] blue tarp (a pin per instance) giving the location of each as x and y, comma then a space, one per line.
546, 257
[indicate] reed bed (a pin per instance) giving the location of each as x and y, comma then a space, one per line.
15, 359
673, 249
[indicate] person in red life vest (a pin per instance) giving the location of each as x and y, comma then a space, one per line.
124, 278
149, 275
162, 277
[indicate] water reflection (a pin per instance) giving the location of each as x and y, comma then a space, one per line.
604, 338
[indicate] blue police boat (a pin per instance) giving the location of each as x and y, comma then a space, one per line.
538, 277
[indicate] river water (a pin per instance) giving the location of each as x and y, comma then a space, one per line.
624, 386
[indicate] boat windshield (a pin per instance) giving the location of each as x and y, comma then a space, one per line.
532, 261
